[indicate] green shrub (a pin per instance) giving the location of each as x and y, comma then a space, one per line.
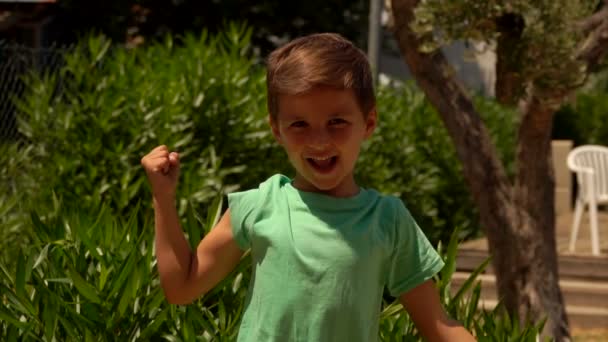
92, 277
583, 120
462, 305
411, 156
88, 125
89, 276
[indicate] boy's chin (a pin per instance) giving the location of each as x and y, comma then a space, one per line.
314, 184
326, 186
333, 187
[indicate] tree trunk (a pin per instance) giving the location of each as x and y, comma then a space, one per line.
509, 85
530, 284
518, 219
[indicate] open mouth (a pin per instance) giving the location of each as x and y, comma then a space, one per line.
323, 164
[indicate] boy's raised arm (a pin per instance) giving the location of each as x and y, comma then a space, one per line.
185, 275
424, 307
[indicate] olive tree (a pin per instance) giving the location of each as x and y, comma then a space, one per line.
545, 50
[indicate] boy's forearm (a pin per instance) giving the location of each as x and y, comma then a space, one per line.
447, 330
455, 332
173, 253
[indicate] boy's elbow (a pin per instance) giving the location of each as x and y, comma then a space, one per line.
177, 297
181, 295
178, 301
175, 300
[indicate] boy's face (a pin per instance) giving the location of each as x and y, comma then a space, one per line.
322, 131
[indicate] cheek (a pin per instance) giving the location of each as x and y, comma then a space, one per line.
342, 136
293, 140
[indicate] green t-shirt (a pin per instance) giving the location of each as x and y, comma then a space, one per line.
320, 263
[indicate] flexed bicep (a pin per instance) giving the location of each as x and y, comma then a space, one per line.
216, 256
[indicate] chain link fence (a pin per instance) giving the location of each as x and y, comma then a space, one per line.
15, 62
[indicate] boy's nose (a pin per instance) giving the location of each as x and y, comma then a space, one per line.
319, 138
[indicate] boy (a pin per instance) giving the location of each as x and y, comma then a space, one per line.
322, 247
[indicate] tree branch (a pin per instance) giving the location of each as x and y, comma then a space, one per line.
482, 168
594, 20
595, 46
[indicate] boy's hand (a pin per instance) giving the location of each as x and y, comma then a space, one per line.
162, 169
424, 307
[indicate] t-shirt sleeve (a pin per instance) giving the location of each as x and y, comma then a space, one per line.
243, 207
413, 259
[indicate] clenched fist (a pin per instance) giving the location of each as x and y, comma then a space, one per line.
162, 169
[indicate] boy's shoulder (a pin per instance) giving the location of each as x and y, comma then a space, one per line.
388, 202
273, 183
279, 181
389, 205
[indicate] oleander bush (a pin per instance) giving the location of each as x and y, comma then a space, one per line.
87, 126
583, 119
90, 276
411, 156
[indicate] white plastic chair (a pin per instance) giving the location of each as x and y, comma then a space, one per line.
590, 163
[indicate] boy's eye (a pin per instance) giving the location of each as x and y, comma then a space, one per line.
298, 124
337, 121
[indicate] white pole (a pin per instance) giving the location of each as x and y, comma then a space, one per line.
374, 34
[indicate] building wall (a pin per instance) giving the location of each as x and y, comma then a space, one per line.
476, 71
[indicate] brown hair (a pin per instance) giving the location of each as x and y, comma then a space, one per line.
323, 59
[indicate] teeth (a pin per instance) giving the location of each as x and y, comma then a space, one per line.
320, 158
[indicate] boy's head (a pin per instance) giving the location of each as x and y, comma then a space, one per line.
322, 107
319, 60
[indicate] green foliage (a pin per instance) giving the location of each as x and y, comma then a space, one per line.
411, 156
584, 119
89, 276
88, 126
546, 47
461, 305
89, 131
92, 277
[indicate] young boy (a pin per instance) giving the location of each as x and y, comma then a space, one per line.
322, 248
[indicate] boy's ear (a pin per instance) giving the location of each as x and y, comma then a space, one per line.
371, 122
274, 127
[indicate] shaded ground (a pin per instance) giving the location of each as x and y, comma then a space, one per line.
583, 242
584, 325
590, 335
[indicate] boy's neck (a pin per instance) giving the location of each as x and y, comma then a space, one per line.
347, 188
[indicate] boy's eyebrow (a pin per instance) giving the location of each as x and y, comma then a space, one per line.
293, 117
345, 114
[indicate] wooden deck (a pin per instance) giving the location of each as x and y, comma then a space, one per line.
563, 227
583, 276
